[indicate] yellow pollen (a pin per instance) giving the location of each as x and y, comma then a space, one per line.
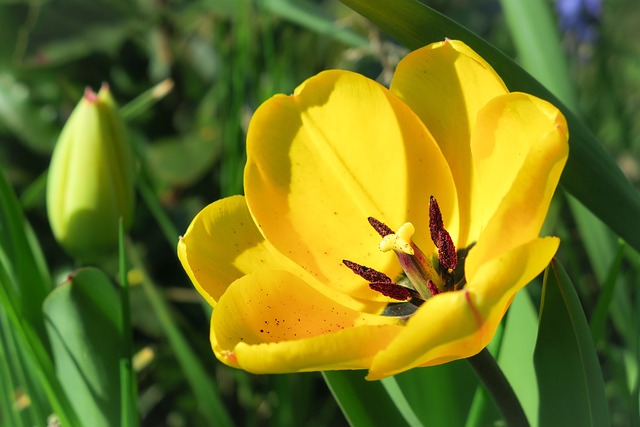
400, 241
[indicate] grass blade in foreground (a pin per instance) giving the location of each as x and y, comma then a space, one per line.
31, 281
209, 402
569, 376
363, 403
590, 175
128, 386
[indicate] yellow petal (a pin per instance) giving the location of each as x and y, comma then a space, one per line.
458, 324
223, 244
273, 322
520, 148
341, 149
447, 84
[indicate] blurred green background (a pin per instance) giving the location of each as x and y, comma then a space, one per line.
216, 61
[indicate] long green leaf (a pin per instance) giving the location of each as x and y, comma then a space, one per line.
569, 376
82, 318
363, 403
24, 259
590, 175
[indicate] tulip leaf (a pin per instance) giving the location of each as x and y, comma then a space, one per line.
178, 161
315, 18
571, 387
363, 403
82, 318
591, 175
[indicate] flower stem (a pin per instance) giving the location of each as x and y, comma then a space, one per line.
499, 388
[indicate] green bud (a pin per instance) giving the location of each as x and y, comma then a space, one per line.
91, 178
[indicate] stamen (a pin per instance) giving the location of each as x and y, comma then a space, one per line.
433, 288
435, 220
381, 228
391, 290
447, 251
441, 237
367, 273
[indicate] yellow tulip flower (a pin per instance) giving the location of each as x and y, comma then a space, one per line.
462, 168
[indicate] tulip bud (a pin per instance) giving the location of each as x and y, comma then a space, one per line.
91, 178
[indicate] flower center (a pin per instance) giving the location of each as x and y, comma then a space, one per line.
423, 277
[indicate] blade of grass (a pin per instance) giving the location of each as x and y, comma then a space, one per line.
601, 311
29, 340
31, 282
516, 353
591, 175
363, 403
448, 389
24, 284
128, 411
314, 18
397, 396
38, 407
146, 100
8, 413
209, 402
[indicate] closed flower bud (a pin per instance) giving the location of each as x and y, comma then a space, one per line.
91, 178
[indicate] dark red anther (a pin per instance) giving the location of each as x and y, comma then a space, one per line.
382, 228
369, 274
435, 220
433, 288
446, 250
391, 290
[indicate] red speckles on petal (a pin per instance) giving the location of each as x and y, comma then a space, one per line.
476, 314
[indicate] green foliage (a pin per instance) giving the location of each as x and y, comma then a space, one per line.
569, 376
78, 312
189, 74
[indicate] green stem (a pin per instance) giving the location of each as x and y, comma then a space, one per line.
128, 415
497, 385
